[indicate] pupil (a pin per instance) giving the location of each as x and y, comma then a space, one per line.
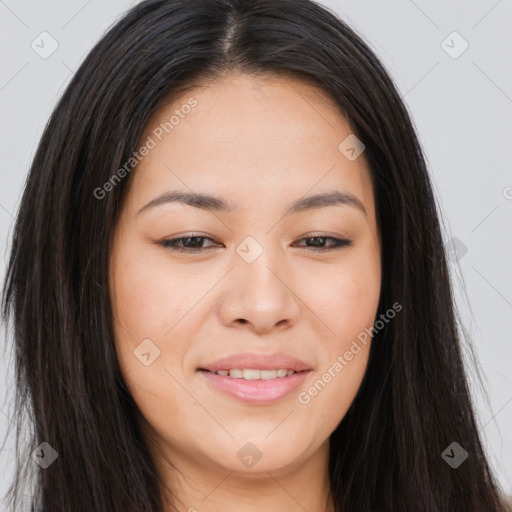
317, 241
196, 239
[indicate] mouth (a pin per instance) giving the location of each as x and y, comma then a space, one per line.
255, 386
247, 365
256, 378
253, 373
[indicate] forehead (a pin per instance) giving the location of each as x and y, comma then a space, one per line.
245, 136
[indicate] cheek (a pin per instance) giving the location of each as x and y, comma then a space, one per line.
146, 305
344, 296
149, 297
345, 300
329, 396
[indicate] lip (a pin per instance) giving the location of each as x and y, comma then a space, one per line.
258, 361
256, 391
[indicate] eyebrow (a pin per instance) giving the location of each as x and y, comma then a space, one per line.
217, 204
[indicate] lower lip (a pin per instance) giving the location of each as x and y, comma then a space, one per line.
256, 391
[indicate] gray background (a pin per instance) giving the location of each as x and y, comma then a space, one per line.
462, 109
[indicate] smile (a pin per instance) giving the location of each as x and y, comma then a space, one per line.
255, 374
253, 386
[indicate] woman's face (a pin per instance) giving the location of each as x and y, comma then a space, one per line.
265, 284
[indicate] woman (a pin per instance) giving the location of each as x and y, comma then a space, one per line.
228, 282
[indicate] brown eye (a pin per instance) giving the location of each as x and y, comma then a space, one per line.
318, 243
186, 244
196, 243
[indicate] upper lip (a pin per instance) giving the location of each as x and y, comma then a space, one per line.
273, 361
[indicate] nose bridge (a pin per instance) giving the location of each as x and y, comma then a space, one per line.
258, 292
260, 270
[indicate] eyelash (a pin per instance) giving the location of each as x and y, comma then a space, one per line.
170, 244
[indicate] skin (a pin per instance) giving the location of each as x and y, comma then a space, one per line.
261, 143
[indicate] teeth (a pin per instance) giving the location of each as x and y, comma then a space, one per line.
253, 374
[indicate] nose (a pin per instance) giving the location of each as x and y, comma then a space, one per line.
259, 296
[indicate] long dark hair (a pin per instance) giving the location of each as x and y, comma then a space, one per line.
414, 401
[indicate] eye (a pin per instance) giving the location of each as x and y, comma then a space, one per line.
318, 243
186, 243
195, 243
